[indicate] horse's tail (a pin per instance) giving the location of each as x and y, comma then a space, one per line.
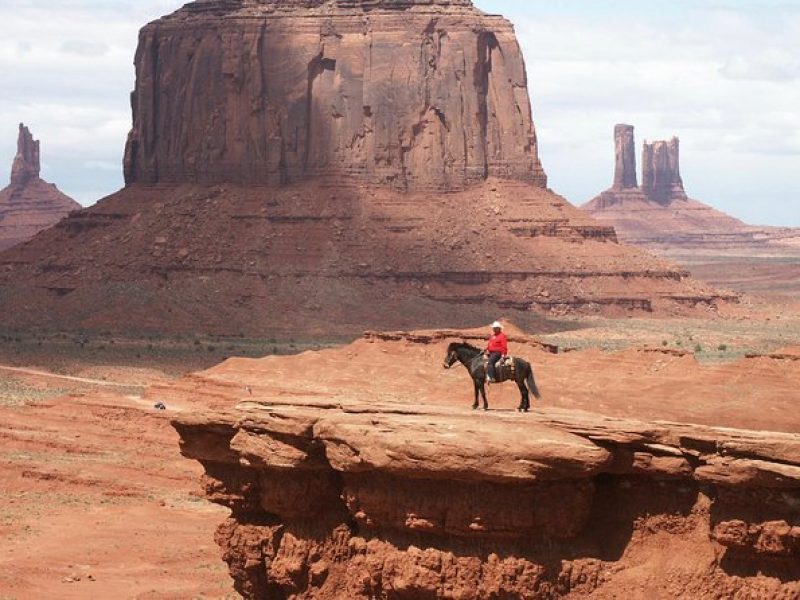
532, 383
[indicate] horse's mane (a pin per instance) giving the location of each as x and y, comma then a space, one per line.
465, 345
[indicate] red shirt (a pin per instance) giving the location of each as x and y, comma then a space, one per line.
498, 343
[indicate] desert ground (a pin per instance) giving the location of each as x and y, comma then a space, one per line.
96, 497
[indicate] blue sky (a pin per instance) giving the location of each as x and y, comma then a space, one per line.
723, 75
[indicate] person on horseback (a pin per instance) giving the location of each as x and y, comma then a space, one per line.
496, 349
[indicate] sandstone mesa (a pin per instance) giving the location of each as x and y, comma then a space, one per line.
329, 167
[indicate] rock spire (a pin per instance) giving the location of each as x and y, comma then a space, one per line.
625, 154
659, 215
26, 163
661, 175
29, 204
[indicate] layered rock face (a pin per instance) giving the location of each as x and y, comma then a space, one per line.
317, 168
659, 215
389, 490
29, 204
281, 92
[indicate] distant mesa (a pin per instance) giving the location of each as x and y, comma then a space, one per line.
320, 168
29, 204
659, 215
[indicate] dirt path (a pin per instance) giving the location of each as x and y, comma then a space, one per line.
38, 373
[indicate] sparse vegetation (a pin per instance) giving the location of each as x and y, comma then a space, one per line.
14, 392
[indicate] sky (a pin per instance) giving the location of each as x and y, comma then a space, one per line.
723, 75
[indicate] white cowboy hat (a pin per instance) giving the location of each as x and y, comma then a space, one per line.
497, 325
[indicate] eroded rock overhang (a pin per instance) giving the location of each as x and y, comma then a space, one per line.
357, 491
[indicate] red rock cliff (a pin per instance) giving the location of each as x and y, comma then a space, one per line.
416, 94
383, 487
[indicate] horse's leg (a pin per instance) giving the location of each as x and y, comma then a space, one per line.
483, 393
477, 388
524, 402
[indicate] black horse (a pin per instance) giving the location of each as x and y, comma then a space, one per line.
472, 358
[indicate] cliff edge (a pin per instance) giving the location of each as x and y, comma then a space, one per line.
372, 479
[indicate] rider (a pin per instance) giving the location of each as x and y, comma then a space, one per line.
496, 349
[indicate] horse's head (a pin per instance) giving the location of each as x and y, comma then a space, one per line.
452, 356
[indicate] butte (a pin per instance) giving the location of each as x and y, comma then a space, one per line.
29, 204
660, 216
320, 167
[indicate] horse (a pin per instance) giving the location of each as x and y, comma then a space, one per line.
472, 358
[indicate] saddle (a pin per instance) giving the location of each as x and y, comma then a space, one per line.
504, 369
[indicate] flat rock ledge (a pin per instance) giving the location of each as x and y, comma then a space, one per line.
340, 500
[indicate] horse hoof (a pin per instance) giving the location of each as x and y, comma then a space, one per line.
475, 407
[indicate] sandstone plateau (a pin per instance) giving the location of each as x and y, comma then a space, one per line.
360, 473
660, 216
29, 204
317, 167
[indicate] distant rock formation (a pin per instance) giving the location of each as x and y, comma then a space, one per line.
661, 173
29, 204
26, 165
625, 151
317, 168
659, 215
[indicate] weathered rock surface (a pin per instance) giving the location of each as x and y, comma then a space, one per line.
29, 204
363, 488
415, 95
660, 216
